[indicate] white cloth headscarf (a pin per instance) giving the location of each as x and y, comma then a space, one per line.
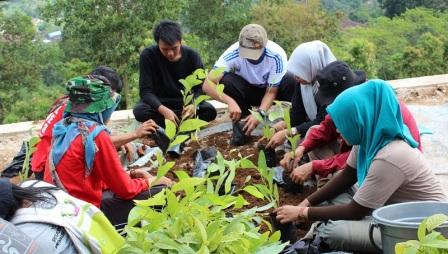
305, 62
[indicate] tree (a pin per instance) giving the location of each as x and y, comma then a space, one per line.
110, 32
23, 61
398, 43
217, 23
290, 23
396, 7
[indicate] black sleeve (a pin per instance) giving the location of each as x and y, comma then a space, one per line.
146, 81
351, 211
337, 185
304, 126
297, 112
196, 63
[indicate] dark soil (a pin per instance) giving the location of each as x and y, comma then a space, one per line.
222, 142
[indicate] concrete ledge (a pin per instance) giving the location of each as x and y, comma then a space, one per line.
127, 115
436, 80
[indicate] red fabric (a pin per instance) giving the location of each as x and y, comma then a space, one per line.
327, 133
106, 170
39, 158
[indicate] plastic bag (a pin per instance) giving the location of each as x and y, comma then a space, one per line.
239, 138
14, 168
202, 159
161, 139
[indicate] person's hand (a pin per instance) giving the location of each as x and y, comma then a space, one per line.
169, 114
298, 154
128, 150
251, 124
304, 203
145, 129
290, 213
278, 139
234, 110
188, 111
279, 126
302, 173
139, 173
286, 162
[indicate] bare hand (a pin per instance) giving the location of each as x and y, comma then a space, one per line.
278, 139
302, 173
139, 173
168, 114
300, 150
251, 124
234, 111
287, 161
188, 111
145, 129
128, 149
290, 213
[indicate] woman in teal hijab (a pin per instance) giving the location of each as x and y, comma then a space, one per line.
384, 162
369, 116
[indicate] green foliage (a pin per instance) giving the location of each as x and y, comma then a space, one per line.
27, 106
109, 32
386, 47
291, 23
356, 10
268, 189
429, 240
29, 150
396, 7
196, 222
217, 23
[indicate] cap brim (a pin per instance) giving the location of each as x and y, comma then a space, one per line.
252, 54
359, 77
323, 98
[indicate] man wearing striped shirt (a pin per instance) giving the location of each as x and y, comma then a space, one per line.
254, 75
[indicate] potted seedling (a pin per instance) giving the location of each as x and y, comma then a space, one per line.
289, 185
268, 190
268, 131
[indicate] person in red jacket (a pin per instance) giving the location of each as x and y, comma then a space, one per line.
56, 112
83, 159
327, 150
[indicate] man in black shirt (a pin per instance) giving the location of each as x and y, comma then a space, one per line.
161, 67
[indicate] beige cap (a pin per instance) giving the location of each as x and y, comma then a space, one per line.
253, 39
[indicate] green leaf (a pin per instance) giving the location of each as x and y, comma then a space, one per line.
186, 183
192, 125
421, 232
200, 73
272, 248
246, 163
157, 200
215, 73
248, 178
435, 220
170, 129
200, 99
220, 90
287, 118
201, 228
181, 174
179, 140
229, 180
252, 190
188, 99
172, 203
262, 167
257, 116
164, 169
274, 115
439, 244
34, 141
275, 237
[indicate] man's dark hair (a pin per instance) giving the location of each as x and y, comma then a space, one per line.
111, 75
168, 31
